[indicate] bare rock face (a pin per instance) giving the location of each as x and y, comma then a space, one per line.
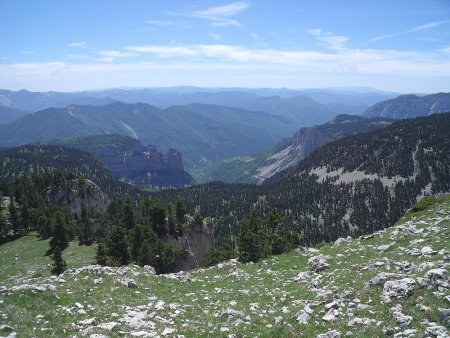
146, 166
78, 193
197, 239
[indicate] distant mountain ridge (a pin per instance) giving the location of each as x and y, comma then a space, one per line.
202, 133
410, 106
133, 162
290, 151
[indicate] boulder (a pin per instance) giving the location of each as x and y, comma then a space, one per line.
398, 289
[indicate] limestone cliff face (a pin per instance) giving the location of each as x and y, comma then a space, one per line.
144, 165
78, 193
197, 239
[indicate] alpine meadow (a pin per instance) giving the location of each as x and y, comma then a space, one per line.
221, 168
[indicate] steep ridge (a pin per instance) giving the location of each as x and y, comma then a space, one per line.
133, 162
257, 168
409, 106
355, 185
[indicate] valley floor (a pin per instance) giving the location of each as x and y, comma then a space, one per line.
393, 283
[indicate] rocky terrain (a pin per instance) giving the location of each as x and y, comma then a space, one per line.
393, 283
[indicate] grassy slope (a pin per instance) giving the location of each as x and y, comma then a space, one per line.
208, 302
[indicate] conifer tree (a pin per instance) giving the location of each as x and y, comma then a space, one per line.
59, 264
127, 214
100, 256
147, 254
276, 232
180, 211
249, 239
59, 234
197, 215
172, 221
4, 227
117, 247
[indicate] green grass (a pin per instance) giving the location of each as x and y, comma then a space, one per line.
204, 298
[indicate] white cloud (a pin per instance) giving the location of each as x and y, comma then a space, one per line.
214, 35
412, 30
80, 44
167, 23
111, 55
220, 15
446, 50
329, 39
163, 51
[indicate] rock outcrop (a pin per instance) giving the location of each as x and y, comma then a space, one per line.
197, 239
79, 193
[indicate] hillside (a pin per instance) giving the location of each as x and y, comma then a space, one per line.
410, 106
202, 133
392, 283
27, 160
129, 160
287, 153
355, 185
8, 114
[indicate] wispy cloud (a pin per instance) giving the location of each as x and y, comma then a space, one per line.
214, 35
79, 44
412, 30
329, 39
220, 15
167, 23
111, 55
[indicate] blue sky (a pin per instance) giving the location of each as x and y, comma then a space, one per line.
401, 45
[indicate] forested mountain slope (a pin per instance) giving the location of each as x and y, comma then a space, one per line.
355, 185
28, 160
409, 106
257, 168
202, 133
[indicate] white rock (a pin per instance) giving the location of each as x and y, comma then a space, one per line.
360, 321
427, 250
87, 322
108, 326
398, 289
167, 331
330, 334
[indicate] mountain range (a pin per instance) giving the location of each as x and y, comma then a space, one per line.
202, 133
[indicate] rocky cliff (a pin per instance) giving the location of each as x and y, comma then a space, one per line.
133, 162
410, 106
79, 193
197, 239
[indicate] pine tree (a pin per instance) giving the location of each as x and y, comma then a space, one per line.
159, 217
59, 234
180, 211
276, 232
197, 215
172, 221
59, 265
100, 256
117, 247
4, 227
128, 214
147, 254
249, 240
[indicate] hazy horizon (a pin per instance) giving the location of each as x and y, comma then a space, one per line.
401, 46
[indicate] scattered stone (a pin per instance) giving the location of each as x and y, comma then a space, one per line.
87, 322
410, 333
427, 251
168, 331
319, 263
383, 247
98, 281
360, 321
437, 331
330, 334
398, 289
399, 317
108, 326
279, 320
